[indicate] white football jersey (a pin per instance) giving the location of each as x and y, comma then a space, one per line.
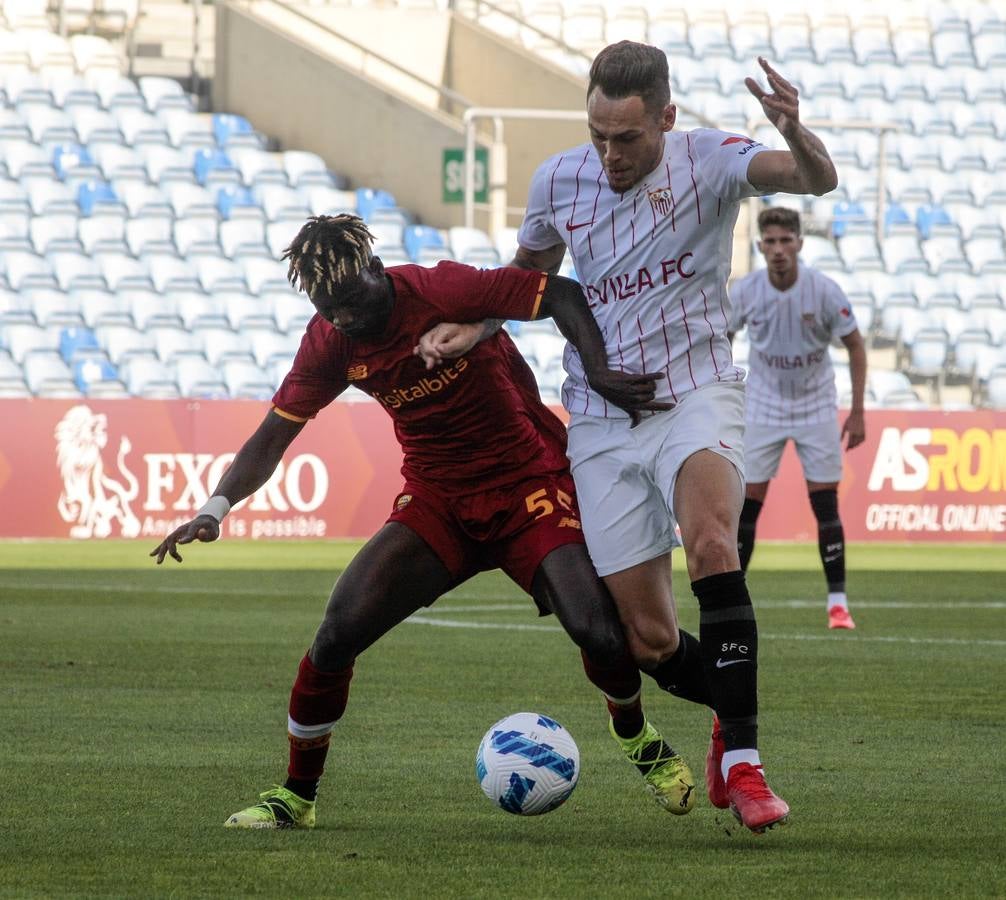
790, 377
653, 261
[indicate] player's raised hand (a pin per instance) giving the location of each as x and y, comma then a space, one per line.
782, 104
448, 340
631, 391
201, 528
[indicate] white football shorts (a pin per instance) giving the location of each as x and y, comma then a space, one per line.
819, 447
625, 476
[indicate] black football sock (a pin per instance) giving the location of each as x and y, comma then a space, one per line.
682, 673
746, 530
729, 641
830, 538
305, 789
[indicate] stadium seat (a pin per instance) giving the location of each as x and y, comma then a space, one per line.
100, 308
44, 370
123, 341
995, 388
169, 272
46, 196
123, 272
196, 235
162, 93
233, 130
265, 274
167, 164
303, 168
198, 379
150, 310
77, 342
246, 381
145, 200
223, 344
269, 347
237, 200
213, 167
416, 237
119, 163
172, 343
148, 377
54, 232
25, 270
278, 236
368, 199
188, 131
219, 274
52, 308
23, 339
188, 199
279, 201
76, 271
328, 201
199, 310
105, 232
139, 127
246, 312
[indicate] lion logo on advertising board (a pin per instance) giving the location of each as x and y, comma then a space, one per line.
90, 499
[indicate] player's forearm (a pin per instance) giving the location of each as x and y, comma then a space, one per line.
257, 459
814, 171
565, 303
490, 327
857, 374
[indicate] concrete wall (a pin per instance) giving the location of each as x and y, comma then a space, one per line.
304, 87
300, 84
494, 72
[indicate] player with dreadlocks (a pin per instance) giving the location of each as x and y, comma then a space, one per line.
487, 484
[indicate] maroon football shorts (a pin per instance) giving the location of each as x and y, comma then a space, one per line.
512, 528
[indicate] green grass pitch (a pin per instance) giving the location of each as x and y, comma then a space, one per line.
142, 705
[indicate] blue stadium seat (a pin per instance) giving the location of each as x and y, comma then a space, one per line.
94, 193
368, 199
895, 214
234, 197
77, 342
215, 166
73, 160
418, 236
843, 213
928, 215
227, 127
89, 370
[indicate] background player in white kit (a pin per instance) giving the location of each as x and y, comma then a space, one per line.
792, 313
648, 216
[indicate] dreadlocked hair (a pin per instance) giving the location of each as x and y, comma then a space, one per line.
327, 251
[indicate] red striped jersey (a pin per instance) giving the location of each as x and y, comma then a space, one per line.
653, 261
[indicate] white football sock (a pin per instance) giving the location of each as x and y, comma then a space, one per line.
837, 598
732, 757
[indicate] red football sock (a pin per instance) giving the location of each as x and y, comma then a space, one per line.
622, 687
317, 702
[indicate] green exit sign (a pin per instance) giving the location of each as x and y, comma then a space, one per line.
454, 175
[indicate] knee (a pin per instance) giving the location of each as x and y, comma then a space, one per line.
825, 506
711, 550
604, 642
334, 647
651, 647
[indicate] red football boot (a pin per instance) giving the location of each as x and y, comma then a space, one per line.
716, 787
752, 801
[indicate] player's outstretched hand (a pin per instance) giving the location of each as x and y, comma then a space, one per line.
855, 428
782, 105
631, 391
202, 528
448, 340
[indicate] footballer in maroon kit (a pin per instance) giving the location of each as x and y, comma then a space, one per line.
487, 485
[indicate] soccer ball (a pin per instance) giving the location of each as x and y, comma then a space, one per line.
527, 764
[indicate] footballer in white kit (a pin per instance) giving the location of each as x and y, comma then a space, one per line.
647, 215
792, 313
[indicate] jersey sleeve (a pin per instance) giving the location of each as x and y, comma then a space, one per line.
838, 312
538, 231
318, 374
723, 161
466, 294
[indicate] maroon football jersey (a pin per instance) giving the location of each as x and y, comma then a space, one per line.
470, 424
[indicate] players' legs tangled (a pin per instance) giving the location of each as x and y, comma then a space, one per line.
707, 502
391, 577
567, 584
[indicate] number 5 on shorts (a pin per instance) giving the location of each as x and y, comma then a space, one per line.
539, 504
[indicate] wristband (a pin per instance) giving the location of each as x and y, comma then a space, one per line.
217, 507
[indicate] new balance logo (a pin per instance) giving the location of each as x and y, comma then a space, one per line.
723, 663
356, 373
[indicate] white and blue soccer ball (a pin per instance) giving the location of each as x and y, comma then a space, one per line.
527, 764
